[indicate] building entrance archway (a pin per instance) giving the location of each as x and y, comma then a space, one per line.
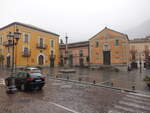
41, 60
106, 58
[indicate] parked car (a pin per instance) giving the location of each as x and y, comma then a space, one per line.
28, 81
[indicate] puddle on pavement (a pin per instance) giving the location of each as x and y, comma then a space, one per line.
66, 86
24, 100
56, 84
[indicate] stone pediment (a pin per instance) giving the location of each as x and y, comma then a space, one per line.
107, 33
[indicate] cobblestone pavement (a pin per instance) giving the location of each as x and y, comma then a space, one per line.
65, 97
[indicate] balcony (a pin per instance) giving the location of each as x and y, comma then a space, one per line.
41, 46
7, 44
26, 54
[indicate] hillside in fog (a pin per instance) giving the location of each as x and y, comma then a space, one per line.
140, 31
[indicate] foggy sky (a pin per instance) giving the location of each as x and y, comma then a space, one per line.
79, 19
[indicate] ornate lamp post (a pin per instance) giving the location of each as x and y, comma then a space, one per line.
12, 41
67, 70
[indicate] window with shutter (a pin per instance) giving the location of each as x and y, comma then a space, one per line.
1, 39
52, 43
26, 37
41, 42
116, 42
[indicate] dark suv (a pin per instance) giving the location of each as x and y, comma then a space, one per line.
28, 81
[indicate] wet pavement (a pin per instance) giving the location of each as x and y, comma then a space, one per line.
67, 97
60, 97
122, 79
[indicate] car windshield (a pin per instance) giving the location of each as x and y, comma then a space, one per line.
34, 70
35, 74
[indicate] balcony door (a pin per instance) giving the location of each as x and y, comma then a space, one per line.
41, 60
26, 51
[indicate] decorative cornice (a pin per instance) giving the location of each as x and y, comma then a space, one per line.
75, 45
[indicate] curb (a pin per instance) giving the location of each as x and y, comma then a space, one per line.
99, 85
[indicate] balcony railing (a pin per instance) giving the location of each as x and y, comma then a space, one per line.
6, 43
41, 46
26, 54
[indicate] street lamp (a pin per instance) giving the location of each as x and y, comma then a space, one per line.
140, 64
12, 41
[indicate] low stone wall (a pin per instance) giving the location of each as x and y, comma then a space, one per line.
113, 67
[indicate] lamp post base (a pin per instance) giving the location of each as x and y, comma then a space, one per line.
11, 90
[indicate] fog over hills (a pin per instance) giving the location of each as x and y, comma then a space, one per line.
140, 31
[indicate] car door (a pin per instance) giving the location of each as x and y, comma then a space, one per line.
23, 78
18, 79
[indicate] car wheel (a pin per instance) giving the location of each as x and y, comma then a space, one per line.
38, 88
6, 82
22, 87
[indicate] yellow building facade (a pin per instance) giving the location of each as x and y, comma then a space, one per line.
109, 47
34, 46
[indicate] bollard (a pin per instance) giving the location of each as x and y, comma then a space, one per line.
112, 84
133, 87
80, 79
67, 77
94, 82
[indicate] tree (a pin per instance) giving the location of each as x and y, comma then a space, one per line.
133, 54
146, 52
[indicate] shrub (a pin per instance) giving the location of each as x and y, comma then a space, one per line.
147, 79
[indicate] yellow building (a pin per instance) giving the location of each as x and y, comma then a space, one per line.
109, 47
34, 46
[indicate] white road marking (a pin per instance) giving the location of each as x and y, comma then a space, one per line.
136, 97
133, 102
127, 109
113, 111
136, 101
63, 107
2, 82
138, 94
134, 105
